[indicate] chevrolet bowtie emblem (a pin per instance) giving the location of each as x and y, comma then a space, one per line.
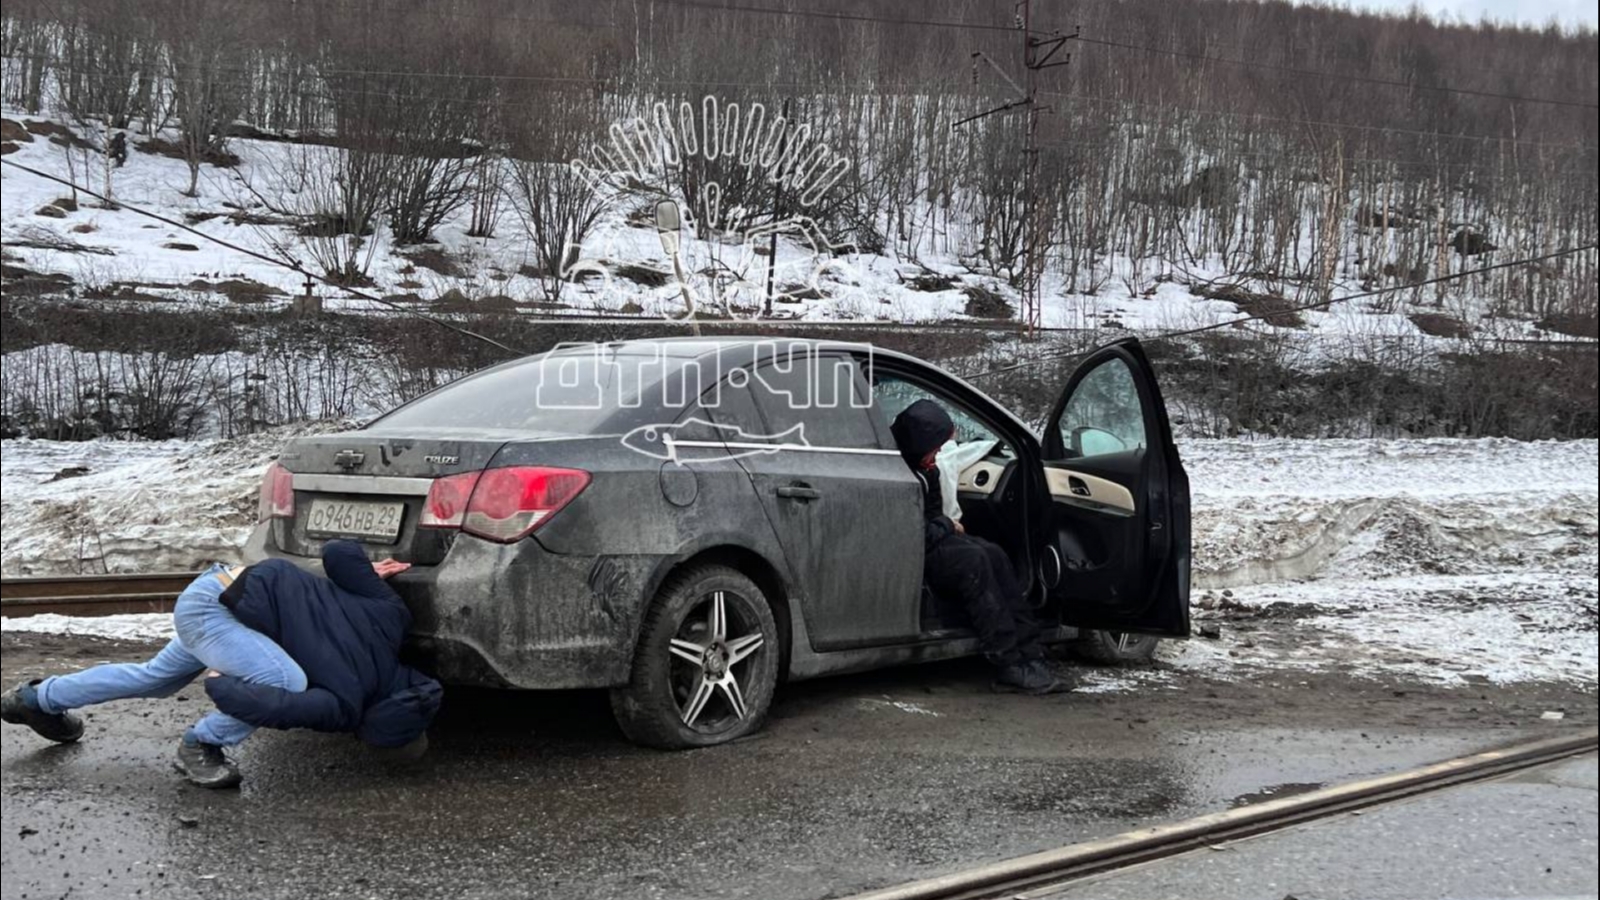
349, 459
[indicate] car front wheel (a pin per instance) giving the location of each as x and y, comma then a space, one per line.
706, 665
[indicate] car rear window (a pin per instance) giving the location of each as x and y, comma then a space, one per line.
559, 393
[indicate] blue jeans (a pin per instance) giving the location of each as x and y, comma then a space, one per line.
209, 637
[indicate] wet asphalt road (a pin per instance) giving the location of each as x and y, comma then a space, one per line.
1530, 835
538, 796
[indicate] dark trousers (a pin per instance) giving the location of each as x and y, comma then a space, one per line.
974, 576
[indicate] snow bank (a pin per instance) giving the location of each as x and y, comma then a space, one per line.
167, 506
133, 627
1442, 560
1271, 511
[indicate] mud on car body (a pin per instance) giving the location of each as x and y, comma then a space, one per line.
689, 522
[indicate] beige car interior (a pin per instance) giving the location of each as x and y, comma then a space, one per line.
1066, 486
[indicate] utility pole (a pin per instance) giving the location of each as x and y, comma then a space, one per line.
1038, 53
777, 212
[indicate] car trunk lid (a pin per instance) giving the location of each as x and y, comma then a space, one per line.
371, 487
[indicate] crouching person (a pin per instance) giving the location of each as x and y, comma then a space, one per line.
345, 632
209, 636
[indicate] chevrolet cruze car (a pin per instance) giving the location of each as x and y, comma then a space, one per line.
690, 522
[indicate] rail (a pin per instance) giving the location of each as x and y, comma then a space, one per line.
1044, 874
92, 595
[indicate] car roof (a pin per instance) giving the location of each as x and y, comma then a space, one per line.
698, 347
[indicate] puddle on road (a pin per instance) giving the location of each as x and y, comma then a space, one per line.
1275, 792
1107, 788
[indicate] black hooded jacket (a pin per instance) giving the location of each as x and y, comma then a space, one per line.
920, 429
345, 632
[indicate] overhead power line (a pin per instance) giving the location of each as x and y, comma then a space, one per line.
254, 254
1304, 307
1339, 76
712, 6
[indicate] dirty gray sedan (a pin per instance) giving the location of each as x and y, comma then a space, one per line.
689, 522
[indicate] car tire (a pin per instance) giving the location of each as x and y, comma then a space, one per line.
1114, 648
672, 701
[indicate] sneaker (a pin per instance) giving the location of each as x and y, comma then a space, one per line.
206, 765
1030, 677
20, 706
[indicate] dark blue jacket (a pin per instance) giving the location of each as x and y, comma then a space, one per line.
345, 632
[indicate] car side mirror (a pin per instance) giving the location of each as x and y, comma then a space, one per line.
1090, 441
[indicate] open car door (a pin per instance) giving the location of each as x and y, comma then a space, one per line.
1119, 500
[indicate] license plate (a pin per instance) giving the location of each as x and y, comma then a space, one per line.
351, 518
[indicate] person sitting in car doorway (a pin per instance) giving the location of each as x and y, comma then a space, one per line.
970, 570
282, 648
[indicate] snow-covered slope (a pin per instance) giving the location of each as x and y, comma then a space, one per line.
166, 262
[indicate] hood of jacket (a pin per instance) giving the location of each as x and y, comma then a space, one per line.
920, 429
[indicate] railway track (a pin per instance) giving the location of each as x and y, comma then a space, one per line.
92, 595
1043, 875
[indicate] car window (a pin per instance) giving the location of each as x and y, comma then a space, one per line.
818, 393
730, 403
559, 392
1104, 414
892, 395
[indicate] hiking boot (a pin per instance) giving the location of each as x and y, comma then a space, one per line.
1030, 677
20, 706
206, 765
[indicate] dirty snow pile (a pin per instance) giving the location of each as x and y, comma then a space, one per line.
1447, 560
119, 506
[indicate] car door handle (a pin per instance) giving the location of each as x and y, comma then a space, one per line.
1078, 487
799, 492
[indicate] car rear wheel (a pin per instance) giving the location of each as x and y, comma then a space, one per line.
1115, 648
706, 666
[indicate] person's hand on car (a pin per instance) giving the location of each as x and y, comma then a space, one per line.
388, 567
958, 526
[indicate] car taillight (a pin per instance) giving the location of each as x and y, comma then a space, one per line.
277, 494
447, 500
508, 504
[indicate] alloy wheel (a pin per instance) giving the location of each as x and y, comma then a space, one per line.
711, 661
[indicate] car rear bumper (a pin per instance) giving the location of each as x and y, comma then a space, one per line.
517, 615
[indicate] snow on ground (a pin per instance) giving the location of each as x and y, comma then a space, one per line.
119, 506
167, 261
130, 627
1273, 510
1447, 560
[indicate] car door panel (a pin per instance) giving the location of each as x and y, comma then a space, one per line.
847, 512
1120, 499
1078, 487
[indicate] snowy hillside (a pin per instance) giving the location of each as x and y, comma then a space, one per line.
119, 256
